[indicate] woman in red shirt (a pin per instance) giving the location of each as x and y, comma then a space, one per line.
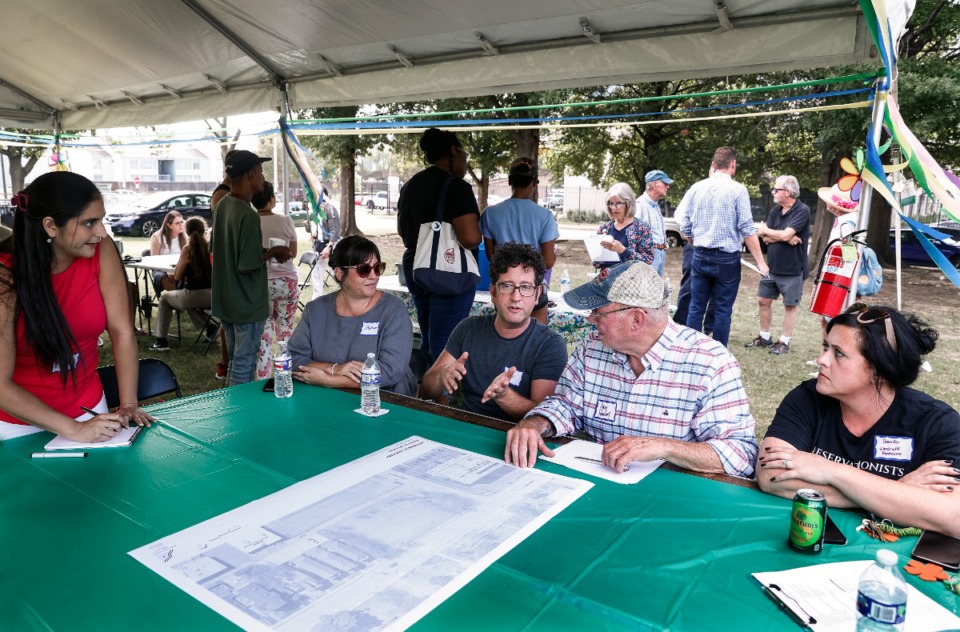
60, 287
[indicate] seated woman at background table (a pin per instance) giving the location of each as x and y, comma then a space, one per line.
60, 286
631, 238
192, 280
169, 240
860, 435
338, 330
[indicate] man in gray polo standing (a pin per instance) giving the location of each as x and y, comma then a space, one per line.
785, 233
648, 210
716, 219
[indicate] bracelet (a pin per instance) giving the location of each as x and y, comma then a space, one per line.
333, 368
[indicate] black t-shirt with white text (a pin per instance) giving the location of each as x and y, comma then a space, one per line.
915, 429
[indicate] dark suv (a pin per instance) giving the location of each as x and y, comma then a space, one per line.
145, 216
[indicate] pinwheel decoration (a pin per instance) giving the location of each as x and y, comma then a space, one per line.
58, 161
851, 181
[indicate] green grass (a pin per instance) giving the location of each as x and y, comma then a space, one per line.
767, 378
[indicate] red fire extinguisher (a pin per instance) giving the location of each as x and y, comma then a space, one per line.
834, 278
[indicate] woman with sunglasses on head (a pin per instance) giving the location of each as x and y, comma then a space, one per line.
61, 285
860, 435
631, 239
437, 313
339, 329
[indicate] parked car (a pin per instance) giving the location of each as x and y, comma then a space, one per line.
380, 199
671, 228
912, 253
6, 215
145, 216
553, 202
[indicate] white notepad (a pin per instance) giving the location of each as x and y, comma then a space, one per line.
122, 439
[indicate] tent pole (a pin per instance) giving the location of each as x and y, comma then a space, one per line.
876, 124
285, 90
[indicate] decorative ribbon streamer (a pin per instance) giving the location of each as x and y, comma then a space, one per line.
299, 155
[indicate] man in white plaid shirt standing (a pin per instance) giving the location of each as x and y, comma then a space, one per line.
643, 385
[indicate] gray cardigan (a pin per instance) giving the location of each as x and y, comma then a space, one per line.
386, 330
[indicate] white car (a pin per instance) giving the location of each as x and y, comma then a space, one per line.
380, 199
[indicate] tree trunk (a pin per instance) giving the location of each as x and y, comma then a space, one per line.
483, 188
348, 219
528, 145
820, 233
878, 229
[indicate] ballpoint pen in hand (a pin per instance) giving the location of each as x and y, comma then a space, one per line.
626, 468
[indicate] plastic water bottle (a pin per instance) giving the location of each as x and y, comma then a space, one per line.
882, 595
565, 281
282, 376
370, 385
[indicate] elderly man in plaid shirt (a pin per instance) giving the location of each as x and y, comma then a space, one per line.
643, 385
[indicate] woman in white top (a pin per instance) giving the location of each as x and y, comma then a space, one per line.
169, 240
281, 277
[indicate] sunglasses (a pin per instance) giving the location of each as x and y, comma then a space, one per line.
599, 315
866, 315
364, 269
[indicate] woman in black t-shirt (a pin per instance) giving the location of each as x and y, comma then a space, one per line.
438, 314
862, 437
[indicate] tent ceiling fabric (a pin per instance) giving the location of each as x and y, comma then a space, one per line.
110, 63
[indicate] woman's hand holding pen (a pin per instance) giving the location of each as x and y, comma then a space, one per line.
101, 427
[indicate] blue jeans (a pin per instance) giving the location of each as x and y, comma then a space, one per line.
437, 315
659, 258
714, 274
683, 296
243, 343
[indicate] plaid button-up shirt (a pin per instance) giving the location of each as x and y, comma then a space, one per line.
716, 213
690, 389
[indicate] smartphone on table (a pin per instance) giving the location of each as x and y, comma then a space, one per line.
268, 386
939, 549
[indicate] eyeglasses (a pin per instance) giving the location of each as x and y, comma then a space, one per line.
775, 189
866, 315
364, 269
466, 155
526, 289
594, 313
616, 204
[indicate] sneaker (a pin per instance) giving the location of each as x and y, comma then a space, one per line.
160, 344
779, 348
759, 343
221, 371
812, 363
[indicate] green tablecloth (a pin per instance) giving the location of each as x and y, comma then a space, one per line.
674, 551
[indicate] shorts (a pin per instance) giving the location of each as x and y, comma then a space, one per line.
791, 287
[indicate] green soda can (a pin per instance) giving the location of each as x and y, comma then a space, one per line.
808, 521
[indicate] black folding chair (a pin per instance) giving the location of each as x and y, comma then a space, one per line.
155, 378
308, 259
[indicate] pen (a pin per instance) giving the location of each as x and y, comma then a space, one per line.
58, 455
626, 468
89, 411
775, 598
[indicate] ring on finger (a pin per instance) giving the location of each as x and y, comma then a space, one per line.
786, 464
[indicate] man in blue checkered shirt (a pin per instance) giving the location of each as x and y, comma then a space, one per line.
716, 219
643, 385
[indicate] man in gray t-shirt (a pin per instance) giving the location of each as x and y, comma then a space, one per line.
505, 364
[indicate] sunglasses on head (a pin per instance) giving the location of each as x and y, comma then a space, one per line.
866, 315
364, 269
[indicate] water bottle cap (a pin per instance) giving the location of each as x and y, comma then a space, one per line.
371, 355
887, 557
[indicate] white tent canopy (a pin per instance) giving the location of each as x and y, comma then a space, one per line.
111, 63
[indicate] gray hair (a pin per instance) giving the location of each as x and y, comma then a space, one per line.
623, 191
790, 184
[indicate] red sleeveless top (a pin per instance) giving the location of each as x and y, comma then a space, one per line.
78, 291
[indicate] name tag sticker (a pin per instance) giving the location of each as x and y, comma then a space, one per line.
515, 378
892, 448
607, 411
370, 329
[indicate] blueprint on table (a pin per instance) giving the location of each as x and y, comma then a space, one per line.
374, 544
